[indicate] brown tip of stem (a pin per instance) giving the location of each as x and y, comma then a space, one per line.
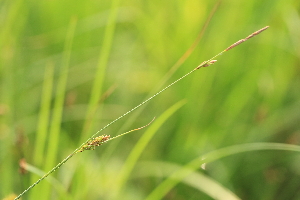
256, 32
248, 37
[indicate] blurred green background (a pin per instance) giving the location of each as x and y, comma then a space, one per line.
68, 68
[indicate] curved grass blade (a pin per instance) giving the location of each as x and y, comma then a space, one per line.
160, 191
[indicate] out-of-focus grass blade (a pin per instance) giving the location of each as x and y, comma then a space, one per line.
195, 179
142, 143
160, 191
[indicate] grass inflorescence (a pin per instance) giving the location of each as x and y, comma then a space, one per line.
94, 141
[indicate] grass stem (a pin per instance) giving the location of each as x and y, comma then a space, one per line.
203, 64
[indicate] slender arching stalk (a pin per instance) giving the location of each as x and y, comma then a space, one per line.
93, 141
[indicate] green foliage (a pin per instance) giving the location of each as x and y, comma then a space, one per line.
68, 68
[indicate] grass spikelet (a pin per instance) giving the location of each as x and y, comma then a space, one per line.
93, 143
248, 37
97, 141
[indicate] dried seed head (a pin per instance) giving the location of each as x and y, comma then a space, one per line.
235, 44
256, 32
22, 164
248, 37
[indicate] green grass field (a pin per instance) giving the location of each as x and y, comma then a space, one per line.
228, 131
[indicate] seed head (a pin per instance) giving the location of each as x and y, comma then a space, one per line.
93, 143
206, 63
248, 37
